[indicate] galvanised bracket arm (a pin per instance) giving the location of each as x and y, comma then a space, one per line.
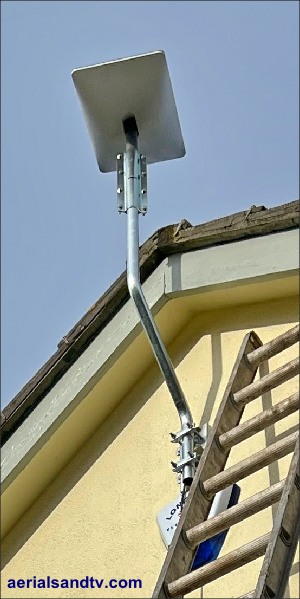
132, 199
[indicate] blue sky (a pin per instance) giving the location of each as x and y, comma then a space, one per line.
234, 69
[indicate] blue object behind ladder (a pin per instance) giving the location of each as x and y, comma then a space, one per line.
209, 550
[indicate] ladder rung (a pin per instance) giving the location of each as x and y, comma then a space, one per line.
233, 515
277, 345
268, 382
233, 560
261, 421
250, 465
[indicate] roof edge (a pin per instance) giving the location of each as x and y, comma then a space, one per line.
176, 238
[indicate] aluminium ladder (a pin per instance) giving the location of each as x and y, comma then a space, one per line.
279, 546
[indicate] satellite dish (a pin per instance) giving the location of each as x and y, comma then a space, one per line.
139, 85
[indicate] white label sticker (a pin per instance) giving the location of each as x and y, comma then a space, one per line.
168, 519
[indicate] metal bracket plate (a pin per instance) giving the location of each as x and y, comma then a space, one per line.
168, 517
141, 183
200, 435
120, 183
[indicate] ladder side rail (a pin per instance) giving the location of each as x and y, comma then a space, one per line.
213, 460
278, 560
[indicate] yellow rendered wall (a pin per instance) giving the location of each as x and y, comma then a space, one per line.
98, 517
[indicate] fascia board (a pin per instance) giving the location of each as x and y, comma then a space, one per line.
242, 261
